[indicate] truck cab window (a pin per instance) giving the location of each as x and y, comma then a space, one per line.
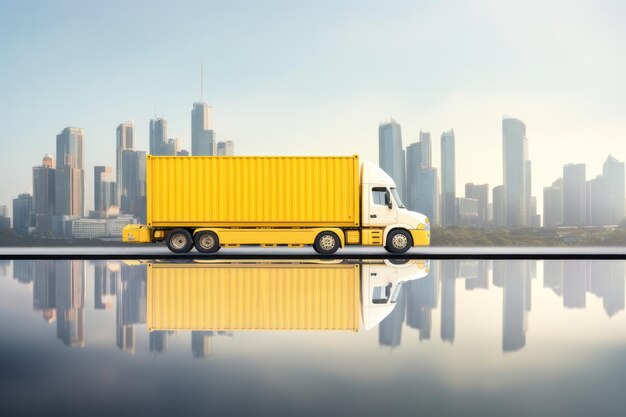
379, 195
396, 197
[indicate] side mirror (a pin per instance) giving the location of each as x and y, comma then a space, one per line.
388, 200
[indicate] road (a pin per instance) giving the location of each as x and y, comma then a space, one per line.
161, 252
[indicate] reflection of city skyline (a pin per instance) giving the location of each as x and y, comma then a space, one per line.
60, 290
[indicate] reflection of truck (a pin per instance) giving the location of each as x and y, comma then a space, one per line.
258, 295
327, 202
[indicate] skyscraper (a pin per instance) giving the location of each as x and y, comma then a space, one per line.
22, 212
553, 204
43, 193
134, 178
69, 176
125, 133
422, 182
103, 188
480, 192
391, 154
516, 172
158, 136
613, 171
202, 136
448, 179
499, 213
574, 195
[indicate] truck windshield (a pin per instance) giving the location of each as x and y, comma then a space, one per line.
396, 197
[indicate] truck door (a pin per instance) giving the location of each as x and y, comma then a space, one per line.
381, 209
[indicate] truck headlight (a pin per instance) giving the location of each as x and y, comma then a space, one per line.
427, 224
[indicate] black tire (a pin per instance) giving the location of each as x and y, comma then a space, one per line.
179, 240
206, 242
326, 243
399, 241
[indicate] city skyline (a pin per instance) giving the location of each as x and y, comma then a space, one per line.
338, 85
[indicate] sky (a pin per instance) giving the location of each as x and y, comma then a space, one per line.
316, 78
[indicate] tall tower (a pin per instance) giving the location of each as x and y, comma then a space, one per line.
69, 177
391, 154
448, 179
516, 172
158, 136
124, 136
202, 136
422, 183
613, 171
574, 195
43, 193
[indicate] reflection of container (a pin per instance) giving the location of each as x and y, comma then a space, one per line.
274, 295
328, 202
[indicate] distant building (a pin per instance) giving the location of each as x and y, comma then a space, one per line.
499, 213
5, 220
182, 152
86, 228
22, 213
134, 179
69, 177
391, 154
480, 192
44, 193
170, 148
158, 136
202, 136
516, 172
598, 202
574, 195
104, 188
427, 194
226, 148
613, 171
467, 211
125, 133
553, 204
422, 181
448, 179
4, 212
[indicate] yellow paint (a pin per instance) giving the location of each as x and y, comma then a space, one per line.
372, 237
244, 296
240, 191
271, 237
136, 233
420, 237
353, 237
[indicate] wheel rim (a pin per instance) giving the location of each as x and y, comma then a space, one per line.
399, 241
178, 241
327, 242
207, 241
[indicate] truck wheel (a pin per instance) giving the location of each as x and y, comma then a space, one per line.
206, 242
179, 240
398, 241
326, 243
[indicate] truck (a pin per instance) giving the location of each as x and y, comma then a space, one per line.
329, 202
275, 295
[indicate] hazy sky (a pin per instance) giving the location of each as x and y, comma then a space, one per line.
317, 78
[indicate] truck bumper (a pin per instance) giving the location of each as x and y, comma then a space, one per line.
420, 237
137, 233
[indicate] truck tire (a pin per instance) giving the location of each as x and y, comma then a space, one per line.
326, 243
179, 240
206, 242
398, 241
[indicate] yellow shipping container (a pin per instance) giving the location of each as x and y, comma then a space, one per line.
253, 297
209, 191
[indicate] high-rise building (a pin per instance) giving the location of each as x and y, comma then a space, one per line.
4, 212
134, 178
22, 212
5, 220
467, 211
613, 171
170, 148
480, 192
202, 136
422, 182
391, 154
553, 204
499, 213
574, 195
226, 148
448, 179
103, 188
43, 193
124, 137
70, 301
516, 169
158, 136
69, 177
